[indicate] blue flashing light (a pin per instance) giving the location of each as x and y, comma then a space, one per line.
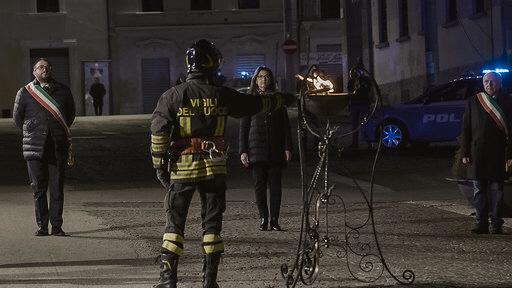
498, 70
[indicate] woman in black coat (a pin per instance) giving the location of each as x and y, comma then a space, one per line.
265, 146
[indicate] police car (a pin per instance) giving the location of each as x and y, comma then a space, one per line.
435, 116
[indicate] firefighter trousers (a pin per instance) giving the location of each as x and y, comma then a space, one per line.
213, 204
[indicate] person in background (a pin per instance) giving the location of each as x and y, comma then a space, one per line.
485, 149
44, 110
97, 91
265, 146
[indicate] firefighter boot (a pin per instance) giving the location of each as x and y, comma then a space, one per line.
168, 271
210, 268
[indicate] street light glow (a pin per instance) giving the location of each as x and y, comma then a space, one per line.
498, 70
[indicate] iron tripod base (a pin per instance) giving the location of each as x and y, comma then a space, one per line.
318, 210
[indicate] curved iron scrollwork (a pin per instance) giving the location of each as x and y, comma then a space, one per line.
364, 258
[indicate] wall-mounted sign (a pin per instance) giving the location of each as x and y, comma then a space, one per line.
321, 58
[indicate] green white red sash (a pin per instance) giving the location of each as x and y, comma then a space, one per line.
43, 98
491, 106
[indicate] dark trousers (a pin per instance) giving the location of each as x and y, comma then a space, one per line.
48, 173
267, 175
213, 204
488, 199
98, 107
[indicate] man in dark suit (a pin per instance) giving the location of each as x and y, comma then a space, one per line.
485, 150
44, 109
97, 91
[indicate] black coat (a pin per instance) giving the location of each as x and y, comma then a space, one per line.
483, 142
265, 136
37, 123
97, 91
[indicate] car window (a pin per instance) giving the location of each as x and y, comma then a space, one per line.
454, 92
458, 94
475, 87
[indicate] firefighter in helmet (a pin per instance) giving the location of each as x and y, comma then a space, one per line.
189, 153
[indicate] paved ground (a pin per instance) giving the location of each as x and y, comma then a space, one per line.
115, 219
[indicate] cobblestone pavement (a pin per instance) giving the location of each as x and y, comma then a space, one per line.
114, 213
435, 244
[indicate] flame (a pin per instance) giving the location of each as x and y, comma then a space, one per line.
320, 83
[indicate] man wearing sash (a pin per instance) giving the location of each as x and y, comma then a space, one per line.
44, 109
485, 150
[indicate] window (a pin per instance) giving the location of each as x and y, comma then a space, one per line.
456, 94
478, 6
47, 6
383, 22
437, 95
475, 86
451, 11
155, 80
330, 9
308, 10
201, 5
152, 5
404, 18
248, 4
453, 92
247, 64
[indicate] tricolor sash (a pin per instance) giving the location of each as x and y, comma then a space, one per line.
47, 101
43, 98
491, 106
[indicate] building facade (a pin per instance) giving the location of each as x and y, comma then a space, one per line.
150, 43
67, 32
137, 47
149, 40
418, 43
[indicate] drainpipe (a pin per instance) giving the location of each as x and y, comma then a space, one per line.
492, 34
370, 36
109, 56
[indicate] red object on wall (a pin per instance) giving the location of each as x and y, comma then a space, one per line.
289, 46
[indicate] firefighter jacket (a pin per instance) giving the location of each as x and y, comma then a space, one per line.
198, 110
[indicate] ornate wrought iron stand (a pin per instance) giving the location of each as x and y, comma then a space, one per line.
317, 199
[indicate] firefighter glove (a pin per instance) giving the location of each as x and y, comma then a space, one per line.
164, 177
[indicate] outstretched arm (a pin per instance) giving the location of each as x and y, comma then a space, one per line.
241, 104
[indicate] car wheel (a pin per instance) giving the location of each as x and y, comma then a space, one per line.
394, 135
